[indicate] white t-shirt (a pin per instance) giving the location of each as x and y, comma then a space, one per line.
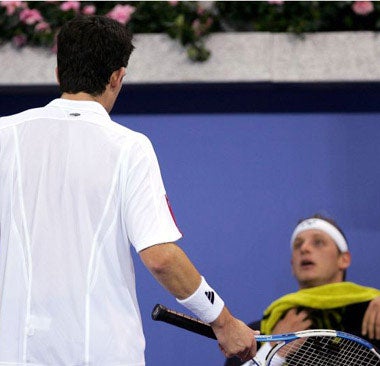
76, 189
261, 357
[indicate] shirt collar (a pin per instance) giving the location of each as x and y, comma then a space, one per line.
83, 105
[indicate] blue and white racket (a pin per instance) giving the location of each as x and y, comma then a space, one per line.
317, 347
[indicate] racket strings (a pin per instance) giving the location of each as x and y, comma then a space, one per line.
324, 351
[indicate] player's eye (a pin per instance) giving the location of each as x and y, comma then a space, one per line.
318, 243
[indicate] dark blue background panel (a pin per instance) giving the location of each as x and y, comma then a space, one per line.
238, 184
190, 98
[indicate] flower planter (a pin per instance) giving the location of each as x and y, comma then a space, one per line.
235, 57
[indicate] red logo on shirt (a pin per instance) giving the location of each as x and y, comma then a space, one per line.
172, 214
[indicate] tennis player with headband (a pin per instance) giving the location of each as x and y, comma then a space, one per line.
320, 258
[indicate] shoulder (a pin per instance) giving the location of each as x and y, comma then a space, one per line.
134, 139
14, 119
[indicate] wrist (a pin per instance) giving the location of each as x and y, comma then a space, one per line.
205, 303
224, 318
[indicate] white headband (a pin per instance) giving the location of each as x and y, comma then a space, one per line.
324, 226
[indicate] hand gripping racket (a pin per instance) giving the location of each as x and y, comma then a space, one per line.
318, 347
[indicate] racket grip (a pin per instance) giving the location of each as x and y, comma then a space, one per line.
180, 320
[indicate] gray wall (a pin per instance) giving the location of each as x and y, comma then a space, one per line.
254, 57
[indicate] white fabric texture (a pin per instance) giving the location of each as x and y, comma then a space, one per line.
319, 224
261, 356
76, 191
205, 302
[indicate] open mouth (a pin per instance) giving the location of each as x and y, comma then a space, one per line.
306, 263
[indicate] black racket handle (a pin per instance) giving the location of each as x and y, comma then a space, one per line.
162, 313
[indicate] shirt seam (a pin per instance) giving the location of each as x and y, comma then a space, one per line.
65, 119
27, 239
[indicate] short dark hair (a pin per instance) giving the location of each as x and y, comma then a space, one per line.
89, 50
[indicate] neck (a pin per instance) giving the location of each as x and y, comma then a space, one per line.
305, 285
82, 96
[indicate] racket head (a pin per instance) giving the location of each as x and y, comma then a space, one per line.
323, 348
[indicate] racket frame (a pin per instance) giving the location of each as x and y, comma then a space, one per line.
162, 313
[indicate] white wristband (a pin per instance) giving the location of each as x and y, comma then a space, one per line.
205, 303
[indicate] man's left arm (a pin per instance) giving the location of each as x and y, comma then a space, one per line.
371, 320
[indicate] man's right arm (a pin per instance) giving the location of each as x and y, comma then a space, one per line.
175, 272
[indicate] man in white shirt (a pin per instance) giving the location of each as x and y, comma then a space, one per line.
76, 191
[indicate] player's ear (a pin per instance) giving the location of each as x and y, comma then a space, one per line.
117, 77
344, 260
56, 75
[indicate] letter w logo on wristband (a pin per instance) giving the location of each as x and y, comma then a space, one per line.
210, 295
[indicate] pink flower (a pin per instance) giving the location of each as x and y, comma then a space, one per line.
19, 40
200, 28
42, 26
275, 2
11, 6
70, 5
122, 13
89, 10
173, 3
209, 22
362, 7
197, 27
200, 10
30, 16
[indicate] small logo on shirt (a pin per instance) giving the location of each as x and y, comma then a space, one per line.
171, 213
210, 295
75, 114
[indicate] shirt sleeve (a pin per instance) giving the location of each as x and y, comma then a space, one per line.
148, 217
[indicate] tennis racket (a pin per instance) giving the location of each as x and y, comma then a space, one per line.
318, 347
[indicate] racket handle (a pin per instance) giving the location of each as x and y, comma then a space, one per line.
162, 313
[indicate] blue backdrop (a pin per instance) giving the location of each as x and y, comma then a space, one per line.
238, 183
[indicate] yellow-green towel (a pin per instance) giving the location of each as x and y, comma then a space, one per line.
329, 296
